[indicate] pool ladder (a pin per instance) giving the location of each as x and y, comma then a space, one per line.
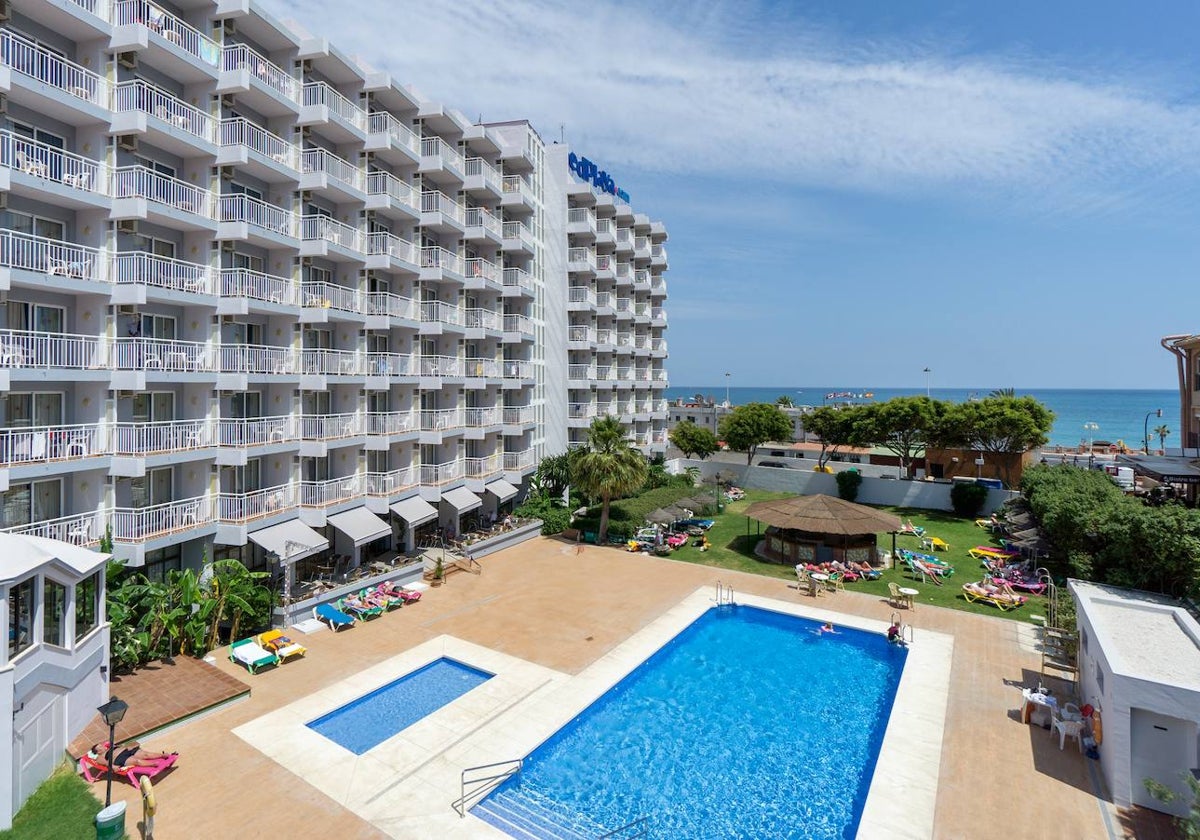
906, 630
474, 787
724, 594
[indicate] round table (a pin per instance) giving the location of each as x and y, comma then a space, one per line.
820, 581
910, 594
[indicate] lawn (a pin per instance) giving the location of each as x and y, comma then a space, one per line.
62, 808
733, 549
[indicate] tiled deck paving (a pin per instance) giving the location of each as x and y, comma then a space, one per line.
543, 603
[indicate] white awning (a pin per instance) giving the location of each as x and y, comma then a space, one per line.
415, 511
289, 541
501, 489
360, 525
462, 499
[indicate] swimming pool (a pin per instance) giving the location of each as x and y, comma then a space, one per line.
747, 724
373, 718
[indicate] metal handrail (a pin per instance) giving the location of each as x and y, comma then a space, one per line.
724, 594
640, 825
485, 783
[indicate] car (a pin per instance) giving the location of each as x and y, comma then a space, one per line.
697, 523
772, 464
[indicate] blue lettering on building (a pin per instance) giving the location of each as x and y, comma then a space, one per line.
596, 176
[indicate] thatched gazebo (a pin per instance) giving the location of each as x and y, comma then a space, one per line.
819, 529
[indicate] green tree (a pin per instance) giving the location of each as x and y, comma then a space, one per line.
1003, 392
1001, 425
835, 427
784, 401
848, 482
1163, 432
607, 467
692, 440
904, 426
748, 426
553, 474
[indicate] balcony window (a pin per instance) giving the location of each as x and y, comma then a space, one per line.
20, 617
87, 605
36, 225
29, 502
162, 561
156, 326
35, 317
154, 488
153, 406
54, 599
23, 410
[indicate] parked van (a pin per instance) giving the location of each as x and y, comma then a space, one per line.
1123, 476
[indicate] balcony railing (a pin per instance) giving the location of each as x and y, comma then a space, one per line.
255, 431
141, 439
518, 277
578, 258
441, 473
517, 370
481, 467
162, 354
241, 57
143, 269
318, 228
142, 97
254, 285
440, 366
480, 167
581, 216
186, 37
515, 184
519, 415
483, 269
581, 372
390, 422
381, 242
385, 183
258, 359
39, 444
239, 131
481, 319
132, 524
256, 213
518, 324
79, 529
581, 294
581, 411
51, 163
604, 263
581, 334
516, 230
436, 257
236, 508
140, 182
514, 461
331, 491
331, 362
390, 305
50, 256
440, 312
31, 59
479, 217
604, 300
482, 367
320, 427
604, 226
381, 122
451, 157
320, 93
25, 349
433, 201
391, 483
319, 160
323, 295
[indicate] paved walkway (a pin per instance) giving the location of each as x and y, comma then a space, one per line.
544, 603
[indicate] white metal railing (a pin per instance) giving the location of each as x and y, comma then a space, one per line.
604, 300
604, 262
604, 336
143, 269
330, 426
658, 345
142, 97
658, 251
482, 319
642, 243
622, 304
518, 324
581, 257
385, 183
257, 358
318, 228
330, 492
581, 294
390, 422
604, 226
658, 286
139, 439
239, 131
381, 122
581, 411
440, 312
437, 257
141, 182
27, 349
51, 163
390, 483
255, 212
322, 295
158, 20
35, 444
483, 269
481, 168
130, 524
254, 285
624, 339
581, 334
581, 372
50, 256
331, 362
623, 374
163, 354
32, 59
518, 277
393, 306
320, 93
657, 313
581, 216
641, 308
319, 160
78, 529
255, 431
255, 504
433, 201
241, 57
440, 366
481, 467
381, 242
516, 230
441, 473
479, 217
451, 158
515, 185
482, 367
519, 415
606, 373
517, 369
518, 460
96, 7
624, 236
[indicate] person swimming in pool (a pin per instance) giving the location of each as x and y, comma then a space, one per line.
893, 635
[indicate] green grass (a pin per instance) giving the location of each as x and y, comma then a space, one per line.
733, 549
62, 808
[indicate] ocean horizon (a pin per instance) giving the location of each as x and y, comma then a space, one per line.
1118, 414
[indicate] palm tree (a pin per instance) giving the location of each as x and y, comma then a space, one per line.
1003, 392
607, 467
785, 402
1163, 432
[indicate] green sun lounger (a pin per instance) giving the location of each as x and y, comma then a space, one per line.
250, 653
361, 613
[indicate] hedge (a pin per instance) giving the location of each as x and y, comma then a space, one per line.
625, 516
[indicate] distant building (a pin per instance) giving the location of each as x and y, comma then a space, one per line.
707, 413
1186, 349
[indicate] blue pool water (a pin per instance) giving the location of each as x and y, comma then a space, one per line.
749, 724
373, 718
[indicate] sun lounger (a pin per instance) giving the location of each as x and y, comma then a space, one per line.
410, 596
362, 613
332, 616
377, 595
251, 654
93, 769
280, 645
991, 595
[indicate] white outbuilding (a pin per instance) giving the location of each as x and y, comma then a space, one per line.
1139, 665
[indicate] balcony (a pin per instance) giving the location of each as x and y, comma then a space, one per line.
519, 415
604, 230
35, 351
173, 46
581, 260
390, 423
438, 474
142, 193
386, 252
392, 140
517, 237
605, 300
390, 484
436, 261
440, 312
326, 427
439, 159
44, 444
581, 297
440, 420
387, 192
326, 172
386, 365
581, 373
581, 335
321, 236
641, 247
340, 118
241, 284
658, 287
514, 369
481, 176
482, 225
624, 240
605, 265
262, 154
176, 125
239, 508
48, 173
243, 432
658, 254
138, 440
255, 360
321, 494
483, 418
519, 461
479, 318
440, 366
387, 305
267, 88
517, 193
605, 338
517, 280
581, 411
138, 525
520, 324
482, 368
323, 362
55, 258
485, 467
582, 221
49, 84
440, 212
160, 356
243, 217
325, 296
483, 271
134, 273
83, 529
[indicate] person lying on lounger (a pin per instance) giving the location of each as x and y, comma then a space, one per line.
129, 755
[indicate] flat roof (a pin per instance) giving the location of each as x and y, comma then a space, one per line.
1175, 469
1143, 635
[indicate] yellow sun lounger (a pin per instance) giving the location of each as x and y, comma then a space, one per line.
280, 645
975, 592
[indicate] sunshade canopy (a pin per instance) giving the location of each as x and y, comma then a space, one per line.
501, 489
360, 525
462, 499
667, 515
289, 541
822, 514
415, 511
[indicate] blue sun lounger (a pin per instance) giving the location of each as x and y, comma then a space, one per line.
331, 615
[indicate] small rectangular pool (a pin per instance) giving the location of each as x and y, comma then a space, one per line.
373, 718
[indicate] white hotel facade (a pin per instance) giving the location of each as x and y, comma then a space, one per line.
249, 284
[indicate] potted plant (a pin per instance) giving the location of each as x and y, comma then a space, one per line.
439, 573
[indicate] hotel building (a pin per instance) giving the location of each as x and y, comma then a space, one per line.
265, 303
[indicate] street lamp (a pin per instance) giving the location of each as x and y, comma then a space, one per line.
927, 373
113, 712
1091, 428
1146, 429
727, 375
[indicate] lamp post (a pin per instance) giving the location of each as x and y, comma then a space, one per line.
1146, 429
927, 373
727, 375
113, 711
1091, 428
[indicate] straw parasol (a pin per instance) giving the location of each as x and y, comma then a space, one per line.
666, 515
696, 503
822, 514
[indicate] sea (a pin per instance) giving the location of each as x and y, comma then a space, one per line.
1079, 414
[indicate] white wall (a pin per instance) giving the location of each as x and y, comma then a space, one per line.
554, 301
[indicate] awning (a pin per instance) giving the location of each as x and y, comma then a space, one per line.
415, 511
462, 499
360, 525
289, 541
501, 489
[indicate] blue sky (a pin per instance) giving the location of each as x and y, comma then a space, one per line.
1005, 193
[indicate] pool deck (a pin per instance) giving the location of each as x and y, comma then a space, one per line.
543, 615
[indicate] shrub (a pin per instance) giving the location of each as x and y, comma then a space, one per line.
967, 499
555, 518
848, 482
625, 516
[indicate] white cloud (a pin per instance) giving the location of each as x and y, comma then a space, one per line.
728, 93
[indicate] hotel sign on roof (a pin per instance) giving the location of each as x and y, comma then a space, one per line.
600, 179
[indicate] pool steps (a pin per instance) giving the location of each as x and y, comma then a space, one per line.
524, 823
